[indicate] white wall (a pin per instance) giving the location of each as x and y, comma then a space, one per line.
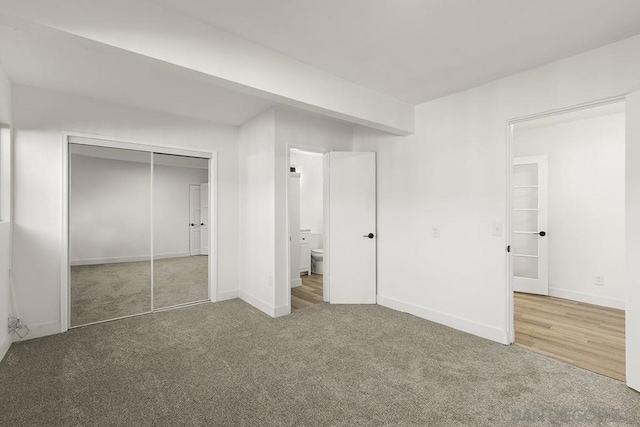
586, 205
310, 166
109, 214
452, 174
39, 119
5, 227
257, 215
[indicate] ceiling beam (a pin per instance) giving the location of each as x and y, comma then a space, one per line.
231, 61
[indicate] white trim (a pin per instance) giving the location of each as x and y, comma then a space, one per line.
226, 295
116, 142
114, 260
587, 298
129, 144
5, 345
65, 268
509, 158
282, 310
465, 325
151, 231
268, 309
296, 282
257, 303
39, 331
213, 227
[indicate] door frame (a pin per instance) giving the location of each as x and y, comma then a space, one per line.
160, 148
511, 332
325, 222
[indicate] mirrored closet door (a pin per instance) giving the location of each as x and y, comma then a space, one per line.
138, 232
109, 233
180, 230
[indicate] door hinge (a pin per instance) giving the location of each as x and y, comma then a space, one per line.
509, 248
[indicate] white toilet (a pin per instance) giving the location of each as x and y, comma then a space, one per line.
316, 261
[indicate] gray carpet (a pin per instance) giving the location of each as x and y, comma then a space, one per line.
108, 291
228, 364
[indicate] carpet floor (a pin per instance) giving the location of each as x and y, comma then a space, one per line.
228, 364
108, 291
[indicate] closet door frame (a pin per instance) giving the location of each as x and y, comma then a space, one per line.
159, 148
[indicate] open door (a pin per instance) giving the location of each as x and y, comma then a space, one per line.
350, 227
632, 226
529, 220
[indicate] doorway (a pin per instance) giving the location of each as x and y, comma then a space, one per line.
567, 236
130, 212
306, 223
339, 262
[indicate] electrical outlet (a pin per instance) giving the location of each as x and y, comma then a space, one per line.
435, 232
599, 280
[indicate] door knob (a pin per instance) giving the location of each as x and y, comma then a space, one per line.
192, 224
202, 224
542, 233
370, 235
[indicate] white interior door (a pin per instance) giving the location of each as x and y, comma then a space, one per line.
529, 220
351, 244
204, 219
194, 219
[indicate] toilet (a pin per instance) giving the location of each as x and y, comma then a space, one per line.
316, 261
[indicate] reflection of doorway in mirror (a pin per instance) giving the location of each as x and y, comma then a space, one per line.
204, 219
194, 220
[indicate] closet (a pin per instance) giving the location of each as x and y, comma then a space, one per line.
137, 243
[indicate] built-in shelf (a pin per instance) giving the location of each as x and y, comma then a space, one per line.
525, 232
525, 186
525, 256
525, 209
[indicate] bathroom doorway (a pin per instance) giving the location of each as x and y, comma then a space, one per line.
306, 222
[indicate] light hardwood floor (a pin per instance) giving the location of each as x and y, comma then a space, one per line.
585, 335
309, 293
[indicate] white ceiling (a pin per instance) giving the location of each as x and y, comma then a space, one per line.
417, 50
57, 61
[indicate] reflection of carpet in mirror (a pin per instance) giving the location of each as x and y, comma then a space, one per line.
107, 291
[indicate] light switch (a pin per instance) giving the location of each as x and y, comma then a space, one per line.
497, 229
435, 232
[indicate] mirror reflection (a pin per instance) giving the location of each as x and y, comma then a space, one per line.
180, 230
109, 233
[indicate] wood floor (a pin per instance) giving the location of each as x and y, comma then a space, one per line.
309, 293
585, 335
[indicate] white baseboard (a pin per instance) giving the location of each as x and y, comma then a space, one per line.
282, 310
5, 345
114, 260
587, 298
465, 325
226, 295
39, 330
296, 282
263, 306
